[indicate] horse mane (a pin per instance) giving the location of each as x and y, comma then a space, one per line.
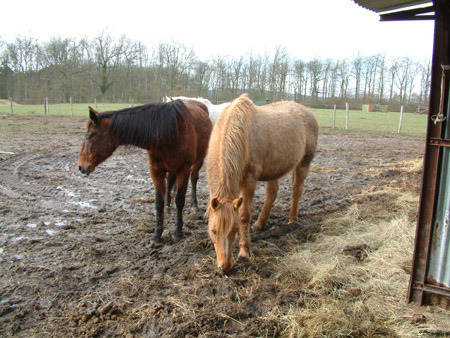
147, 124
235, 122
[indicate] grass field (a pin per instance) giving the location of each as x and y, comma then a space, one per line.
373, 122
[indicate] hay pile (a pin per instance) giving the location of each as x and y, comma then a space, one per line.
354, 276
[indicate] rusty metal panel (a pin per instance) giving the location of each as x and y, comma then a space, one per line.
439, 264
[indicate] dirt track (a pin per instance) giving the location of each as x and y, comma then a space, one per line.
76, 257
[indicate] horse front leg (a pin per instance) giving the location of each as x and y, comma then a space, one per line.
180, 198
247, 192
158, 177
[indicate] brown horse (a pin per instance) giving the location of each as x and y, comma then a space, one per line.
175, 135
250, 144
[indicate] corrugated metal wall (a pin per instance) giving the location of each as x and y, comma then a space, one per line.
439, 270
439, 262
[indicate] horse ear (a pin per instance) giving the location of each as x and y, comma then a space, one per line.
93, 115
215, 203
237, 203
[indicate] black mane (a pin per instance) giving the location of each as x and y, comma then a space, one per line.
147, 124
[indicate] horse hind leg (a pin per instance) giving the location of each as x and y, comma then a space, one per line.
271, 195
194, 179
170, 179
158, 177
298, 180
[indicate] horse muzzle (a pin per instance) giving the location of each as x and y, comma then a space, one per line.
225, 269
85, 170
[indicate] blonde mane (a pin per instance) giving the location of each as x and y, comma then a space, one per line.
232, 148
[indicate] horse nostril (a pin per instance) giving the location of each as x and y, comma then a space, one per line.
81, 169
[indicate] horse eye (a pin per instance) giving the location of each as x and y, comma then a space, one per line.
214, 231
90, 135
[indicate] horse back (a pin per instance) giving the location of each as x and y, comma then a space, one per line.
283, 135
198, 128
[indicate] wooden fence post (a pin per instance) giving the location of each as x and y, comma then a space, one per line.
401, 120
95, 100
71, 108
334, 117
46, 106
347, 111
11, 104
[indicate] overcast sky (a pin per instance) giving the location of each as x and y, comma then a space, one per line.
307, 28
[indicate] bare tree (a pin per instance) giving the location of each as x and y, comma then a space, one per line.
23, 60
401, 77
63, 57
381, 75
107, 53
202, 76
393, 69
278, 72
425, 79
344, 74
299, 75
236, 66
357, 73
315, 70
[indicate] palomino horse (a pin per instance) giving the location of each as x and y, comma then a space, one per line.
175, 135
250, 144
214, 109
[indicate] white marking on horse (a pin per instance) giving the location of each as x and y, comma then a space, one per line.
226, 248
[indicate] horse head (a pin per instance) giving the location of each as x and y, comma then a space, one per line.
223, 227
98, 144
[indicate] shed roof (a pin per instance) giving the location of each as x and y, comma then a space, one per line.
399, 9
388, 5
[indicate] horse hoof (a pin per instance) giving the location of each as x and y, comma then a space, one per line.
177, 236
156, 239
257, 228
245, 255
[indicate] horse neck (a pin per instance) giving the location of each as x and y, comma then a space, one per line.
142, 130
233, 156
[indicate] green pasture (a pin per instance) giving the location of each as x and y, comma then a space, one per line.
374, 122
59, 109
359, 121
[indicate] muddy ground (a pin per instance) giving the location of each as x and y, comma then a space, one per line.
76, 257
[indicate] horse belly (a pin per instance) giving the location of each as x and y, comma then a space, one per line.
277, 158
274, 171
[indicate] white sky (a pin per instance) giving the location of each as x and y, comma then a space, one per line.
307, 28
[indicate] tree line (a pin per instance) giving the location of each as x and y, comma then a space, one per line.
118, 69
